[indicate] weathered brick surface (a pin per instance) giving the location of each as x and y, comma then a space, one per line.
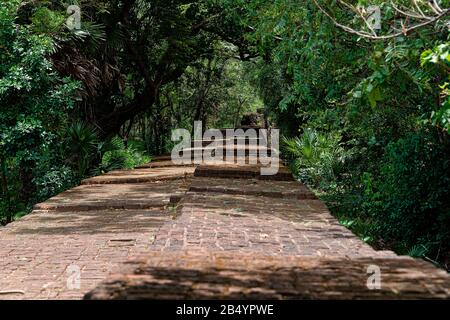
247, 238
225, 238
162, 164
256, 187
237, 171
38, 250
274, 226
79, 228
119, 196
242, 150
227, 275
141, 175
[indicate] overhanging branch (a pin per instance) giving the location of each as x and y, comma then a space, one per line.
428, 20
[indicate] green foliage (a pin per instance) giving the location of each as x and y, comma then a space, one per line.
54, 180
366, 111
81, 142
440, 56
34, 102
215, 90
418, 251
45, 20
317, 159
409, 197
118, 156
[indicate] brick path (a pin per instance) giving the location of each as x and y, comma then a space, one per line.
233, 235
94, 227
222, 222
239, 237
227, 275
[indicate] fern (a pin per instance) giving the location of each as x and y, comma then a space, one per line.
315, 157
418, 251
82, 144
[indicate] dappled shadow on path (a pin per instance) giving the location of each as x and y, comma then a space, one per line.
252, 276
90, 222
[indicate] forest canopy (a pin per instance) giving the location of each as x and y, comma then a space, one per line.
360, 90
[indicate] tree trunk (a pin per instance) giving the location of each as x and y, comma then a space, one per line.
26, 178
5, 191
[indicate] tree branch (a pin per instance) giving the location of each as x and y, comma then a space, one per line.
404, 31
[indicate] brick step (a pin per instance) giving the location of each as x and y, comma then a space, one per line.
224, 142
135, 180
231, 147
119, 196
245, 151
224, 130
270, 194
141, 175
247, 223
104, 205
162, 164
254, 187
242, 160
223, 159
164, 157
242, 172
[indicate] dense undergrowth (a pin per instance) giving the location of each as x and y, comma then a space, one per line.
398, 203
80, 154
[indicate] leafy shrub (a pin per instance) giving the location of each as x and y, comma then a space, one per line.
117, 156
316, 158
440, 57
82, 144
45, 20
54, 181
35, 102
409, 199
